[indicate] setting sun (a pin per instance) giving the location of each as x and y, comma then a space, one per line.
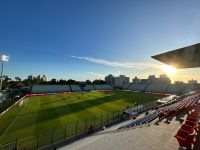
169, 69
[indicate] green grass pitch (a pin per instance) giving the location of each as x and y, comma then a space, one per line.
41, 114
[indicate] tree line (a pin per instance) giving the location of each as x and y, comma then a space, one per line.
9, 84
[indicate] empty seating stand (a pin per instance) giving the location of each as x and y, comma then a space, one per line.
88, 87
190, 87
137, 87
166, 111
126, 86
173, 88
75, 88
103, 87
160, 88
36, 89
143, 120
185, 104
187, 133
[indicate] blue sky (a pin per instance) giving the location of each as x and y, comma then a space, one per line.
87, 39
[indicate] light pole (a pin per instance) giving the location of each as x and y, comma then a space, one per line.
1, 75
3, 59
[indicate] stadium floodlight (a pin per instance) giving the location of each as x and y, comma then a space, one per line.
3, 58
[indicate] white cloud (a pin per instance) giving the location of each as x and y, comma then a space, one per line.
101, 75
132, 65
97, 74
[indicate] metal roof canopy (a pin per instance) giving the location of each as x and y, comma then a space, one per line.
186, 57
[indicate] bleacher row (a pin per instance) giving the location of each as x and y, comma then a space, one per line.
165, 111
68, 88
178, 107
190, 128
161, 88
143, 120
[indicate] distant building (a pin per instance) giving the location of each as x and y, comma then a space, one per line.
178, 82
144, 81
30, 77
44, 78
110, 79
38, 77
121, 80
192, 81
152, 79
136, 80
163, 79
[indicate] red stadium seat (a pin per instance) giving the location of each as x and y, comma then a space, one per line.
195, 112
193, 115
193, 125
184, 139
192, 119
187, 128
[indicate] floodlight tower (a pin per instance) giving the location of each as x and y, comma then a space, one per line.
3, 58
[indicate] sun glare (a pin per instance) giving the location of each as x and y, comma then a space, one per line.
169, 69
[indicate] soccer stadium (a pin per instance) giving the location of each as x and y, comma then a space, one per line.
85, 99
101, 116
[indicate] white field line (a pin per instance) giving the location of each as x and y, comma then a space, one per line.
11, 123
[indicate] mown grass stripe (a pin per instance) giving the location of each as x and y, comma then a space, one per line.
55, 111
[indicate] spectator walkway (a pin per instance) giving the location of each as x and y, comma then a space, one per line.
154, 137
